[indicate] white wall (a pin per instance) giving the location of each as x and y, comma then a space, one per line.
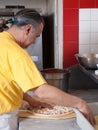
88, 30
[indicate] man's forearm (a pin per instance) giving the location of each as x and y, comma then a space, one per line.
26, 97
56, 96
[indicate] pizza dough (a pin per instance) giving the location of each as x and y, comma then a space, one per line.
56, 112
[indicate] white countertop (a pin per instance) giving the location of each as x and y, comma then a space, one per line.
46, 124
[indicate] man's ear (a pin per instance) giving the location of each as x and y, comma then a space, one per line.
28, 29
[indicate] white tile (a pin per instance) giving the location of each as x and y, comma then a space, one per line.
84, 49
84, 38
84, 14
94, 48
94, 38
84, 26
94, 26
94, 14
88, 30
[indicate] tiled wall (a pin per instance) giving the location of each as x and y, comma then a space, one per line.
71, 28
88, 30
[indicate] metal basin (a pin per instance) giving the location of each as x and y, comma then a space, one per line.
89, 61
57, 77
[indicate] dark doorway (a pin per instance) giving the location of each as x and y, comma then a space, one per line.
48, 42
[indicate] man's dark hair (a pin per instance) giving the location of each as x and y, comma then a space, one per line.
27, 16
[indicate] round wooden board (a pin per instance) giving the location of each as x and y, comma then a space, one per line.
96, 126
26, 114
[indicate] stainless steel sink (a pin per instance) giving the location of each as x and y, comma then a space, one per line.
89, 60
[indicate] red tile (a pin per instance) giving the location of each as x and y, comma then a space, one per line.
69, 62
68, 53
76, 47
70, 35
87, 3
96, 4
71, 28
70, 16
71, 3
70, 49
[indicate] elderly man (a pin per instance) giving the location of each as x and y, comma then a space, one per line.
18, 73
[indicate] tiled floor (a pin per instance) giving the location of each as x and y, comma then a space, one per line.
90, 95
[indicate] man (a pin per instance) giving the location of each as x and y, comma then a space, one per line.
18, 73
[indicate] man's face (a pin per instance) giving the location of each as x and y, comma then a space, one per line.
30, 35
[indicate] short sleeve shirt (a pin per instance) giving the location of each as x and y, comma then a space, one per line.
18, 73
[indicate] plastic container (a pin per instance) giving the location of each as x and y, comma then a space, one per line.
57, 77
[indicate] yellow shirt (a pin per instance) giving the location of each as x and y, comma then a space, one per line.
18, 73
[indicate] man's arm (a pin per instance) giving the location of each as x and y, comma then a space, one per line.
57, 96
35, 103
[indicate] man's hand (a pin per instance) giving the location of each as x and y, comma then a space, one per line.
51, 93
34, 102
86, 111
39, 104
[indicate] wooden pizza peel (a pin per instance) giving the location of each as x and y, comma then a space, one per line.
96, 126
29, 114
